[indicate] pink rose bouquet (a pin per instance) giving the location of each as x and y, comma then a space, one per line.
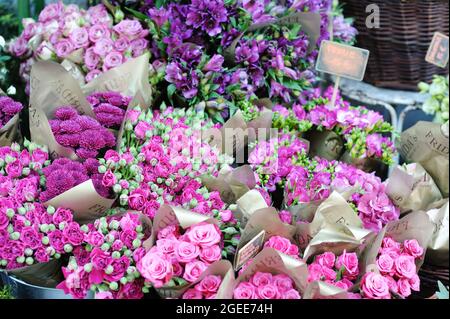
32, 234
88, 38
85, 135
340, 271
397, 271
206, 289
263, 285
106, 261
64, 174
8, 108
178, 258
109, 108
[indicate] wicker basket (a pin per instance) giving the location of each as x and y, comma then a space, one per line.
398, 48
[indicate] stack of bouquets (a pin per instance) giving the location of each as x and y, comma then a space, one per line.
9, 119
92, 39
106, 260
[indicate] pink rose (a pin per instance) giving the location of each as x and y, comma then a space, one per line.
170, 232
291, 294
350, 263
314, 272
375, 286
41, 255
385, 264
285, 216
404, 288
129, 222
91, 59
92, 75
131, 290
112, 60
414, 282
52, 11
103, 47
279, 243
388, 242
329, 274
204, 235
131, 29
186, 252
211, 254
39, 156
104, 295
244, 290
209, 285
226, 215
127, 236
112, 155
120, 266
98, 32
177, 269
192, 294
56, 240
326, 259
30, 237
64, 47
156, 268
142, 128
19, 47
392, 283
121, 44
73, 233
268, 292
79, 38
62, 215
344, 284
413, 248
261, 279
283, 282
193, 270
405, 266
109, 179
138, 46
14, 169
4, 221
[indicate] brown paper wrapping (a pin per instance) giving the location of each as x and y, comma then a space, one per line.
231, 183
335, 227
304, 212
75, 71
415, 225
127, 79
437, 252
326, 144
249, 203
274, 262
86, 204
323, 290
411, 188
171, 215
9, 133
259, 128
427, 144
47, 274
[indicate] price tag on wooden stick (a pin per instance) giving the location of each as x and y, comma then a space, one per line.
438, 51
343, 61
250, 250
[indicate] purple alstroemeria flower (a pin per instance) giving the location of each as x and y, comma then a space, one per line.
207, 15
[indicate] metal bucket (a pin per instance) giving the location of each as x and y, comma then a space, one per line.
22, 290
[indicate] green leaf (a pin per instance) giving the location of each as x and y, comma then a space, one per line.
292, 84
170, 92
137, 14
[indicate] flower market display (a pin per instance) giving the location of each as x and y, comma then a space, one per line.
190, 149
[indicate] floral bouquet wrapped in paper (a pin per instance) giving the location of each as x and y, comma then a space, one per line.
86, 42
9, 119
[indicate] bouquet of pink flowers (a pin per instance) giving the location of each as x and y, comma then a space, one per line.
85, 135
90, 39
106, 261
397, 272
8, 108
63, 174
178, 258
109, 108
206, 289
340, 271
263, 285
32, 234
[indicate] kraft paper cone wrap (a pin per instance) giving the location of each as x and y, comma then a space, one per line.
87, 205
221, 268
249, 203
9, 133
231, 183
47, 274
171, 215
127, 79
323, 290
415, 225
426, 143
437, 252
259, 128
274, 262
75, 71
411, 188
326, 144
334, 219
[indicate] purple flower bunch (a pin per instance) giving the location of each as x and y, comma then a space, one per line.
8, 108
85, 135
315, 180
63, 174
361, 129
34, 234
109, 108
20, 174
106, 261
88, 38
